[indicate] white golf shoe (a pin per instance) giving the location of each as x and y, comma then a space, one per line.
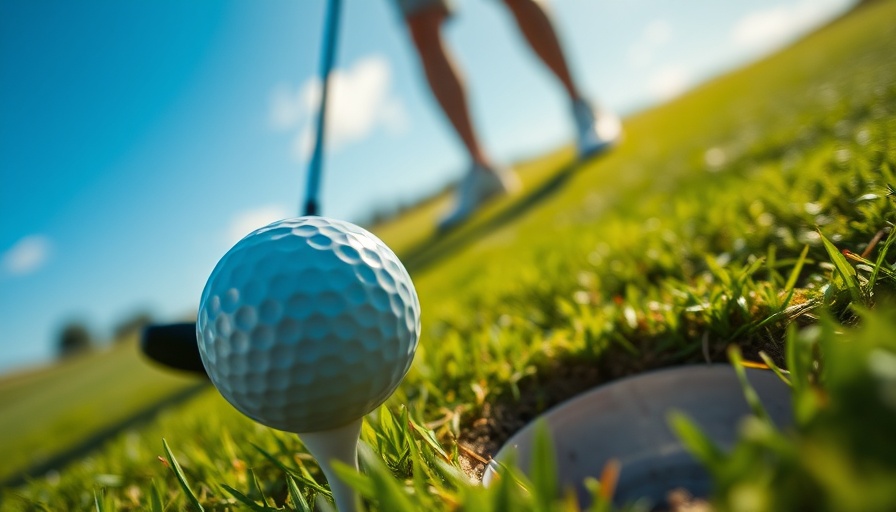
598, 130
475, 189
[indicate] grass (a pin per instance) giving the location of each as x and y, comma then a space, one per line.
744, 214
47, 412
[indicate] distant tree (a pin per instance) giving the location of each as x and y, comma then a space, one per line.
74, 339
131, 325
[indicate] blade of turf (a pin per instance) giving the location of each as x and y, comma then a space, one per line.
178, 472
771, 364
544, 467
245, 500
98, 503
298, 499
795, 273
844, 269
879, 263
694, 439
749, 392
155, 498
304, 478
255, 486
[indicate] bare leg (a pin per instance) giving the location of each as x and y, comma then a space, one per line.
444, 78
535, 24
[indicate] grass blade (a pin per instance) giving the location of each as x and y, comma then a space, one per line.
420, 473
790, 285
778, 371
801, 361
750, 394
245, 500
429, 437
98, 502
695, 440
255, 487
181, 479
875, 267
379, 485
155, 498
543, 467
844, 269
717, 271
879, 263
356, 480
298, 499
302, 476
273, 460
792, 358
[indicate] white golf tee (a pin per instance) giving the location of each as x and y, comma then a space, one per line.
338, 444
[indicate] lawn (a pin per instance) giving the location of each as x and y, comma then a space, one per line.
752, 212
48, 412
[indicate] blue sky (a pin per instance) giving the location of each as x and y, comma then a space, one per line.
139, 140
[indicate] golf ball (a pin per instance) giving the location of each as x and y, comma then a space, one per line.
308, 324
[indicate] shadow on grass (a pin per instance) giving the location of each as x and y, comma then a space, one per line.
82, 449
444, 244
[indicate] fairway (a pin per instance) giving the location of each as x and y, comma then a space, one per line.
756, 203
49, 411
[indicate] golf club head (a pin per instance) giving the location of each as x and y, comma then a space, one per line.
174, 346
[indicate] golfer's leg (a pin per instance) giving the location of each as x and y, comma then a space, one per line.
443, 76
535, 23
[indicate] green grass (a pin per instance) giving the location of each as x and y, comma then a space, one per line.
722, 220
48, 411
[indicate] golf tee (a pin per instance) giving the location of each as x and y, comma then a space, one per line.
339, 444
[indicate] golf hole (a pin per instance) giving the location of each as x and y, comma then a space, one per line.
626, 420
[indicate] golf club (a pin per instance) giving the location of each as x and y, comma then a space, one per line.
175, 345
328, 57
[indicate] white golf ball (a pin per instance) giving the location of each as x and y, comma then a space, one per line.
308, 324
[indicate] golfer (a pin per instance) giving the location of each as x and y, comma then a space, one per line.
596, 130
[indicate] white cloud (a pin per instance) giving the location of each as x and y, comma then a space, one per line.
765, 29
248, 221
669, 82
359, 101
394, 116
27, 255
286, 107
656, 34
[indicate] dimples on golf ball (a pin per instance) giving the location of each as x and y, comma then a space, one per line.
308, 324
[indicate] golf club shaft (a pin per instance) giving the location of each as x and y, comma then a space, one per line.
328, 57
175, 345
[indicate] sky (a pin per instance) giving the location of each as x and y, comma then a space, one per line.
140, 140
